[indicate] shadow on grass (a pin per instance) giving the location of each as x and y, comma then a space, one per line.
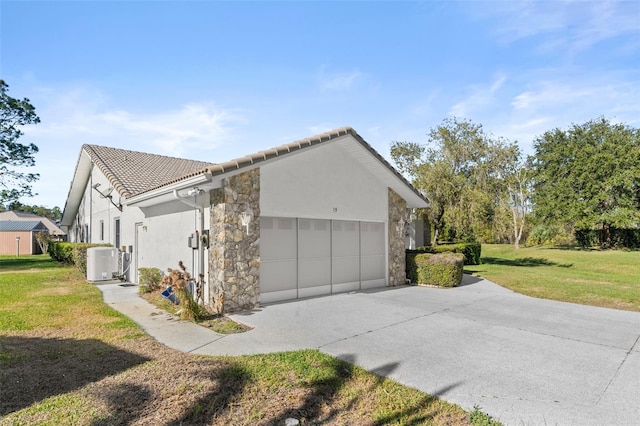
33, 369
325, 393
233, 380
22, 263
524, 261
127, 402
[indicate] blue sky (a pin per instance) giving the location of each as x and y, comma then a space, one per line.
217, 80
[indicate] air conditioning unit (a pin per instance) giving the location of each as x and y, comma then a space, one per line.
102, 263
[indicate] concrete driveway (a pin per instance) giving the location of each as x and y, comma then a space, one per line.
524, 361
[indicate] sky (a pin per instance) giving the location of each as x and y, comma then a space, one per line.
213, 81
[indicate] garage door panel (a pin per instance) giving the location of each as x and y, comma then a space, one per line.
346, 269
278, 238
372, 238
313, 257
345, 238
278, 275
314, 272
278, 296
372, 267
314, 238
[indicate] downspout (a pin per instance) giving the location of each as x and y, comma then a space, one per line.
195, 192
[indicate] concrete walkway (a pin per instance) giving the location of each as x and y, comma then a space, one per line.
524, 361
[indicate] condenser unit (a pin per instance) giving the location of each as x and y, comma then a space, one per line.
102, 263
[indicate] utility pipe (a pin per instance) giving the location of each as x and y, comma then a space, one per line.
195, 192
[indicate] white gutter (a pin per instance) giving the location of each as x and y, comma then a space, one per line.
200, 208
198, 180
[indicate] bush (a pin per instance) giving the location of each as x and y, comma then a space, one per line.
551, 235
72, 253
620, 238
471, 251
149, 279
443, 270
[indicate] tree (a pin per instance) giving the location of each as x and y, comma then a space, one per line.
588, 177
517, 198
55, 214
13, 114
457, 169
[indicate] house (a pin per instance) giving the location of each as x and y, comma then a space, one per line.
317, 216
54, 230
19, 237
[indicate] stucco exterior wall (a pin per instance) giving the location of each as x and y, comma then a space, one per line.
155, 237
322, 183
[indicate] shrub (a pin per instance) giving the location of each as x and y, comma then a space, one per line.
149, 279
471, 251
61, 252
443, 269
187, 291
72, 253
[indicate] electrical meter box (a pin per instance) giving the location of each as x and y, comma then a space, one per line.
192, 241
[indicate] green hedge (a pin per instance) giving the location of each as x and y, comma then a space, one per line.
470, 251
72, 253
443, 269
620, 237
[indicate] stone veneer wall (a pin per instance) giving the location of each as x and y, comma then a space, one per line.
234, 253
397, 230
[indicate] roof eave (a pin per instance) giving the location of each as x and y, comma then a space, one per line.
76, 190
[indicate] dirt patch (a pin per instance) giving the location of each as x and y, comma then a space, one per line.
218, 323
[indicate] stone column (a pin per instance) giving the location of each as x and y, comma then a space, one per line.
234, 254
397, 230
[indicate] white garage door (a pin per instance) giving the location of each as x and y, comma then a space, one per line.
313, 257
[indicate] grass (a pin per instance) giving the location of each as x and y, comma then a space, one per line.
609, 278
219, 323
68, 359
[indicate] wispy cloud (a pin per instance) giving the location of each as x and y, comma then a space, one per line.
80, 115
84, 116
339, 81
479, 98
570, 26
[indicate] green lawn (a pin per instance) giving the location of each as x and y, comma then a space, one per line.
66, 358
608, 278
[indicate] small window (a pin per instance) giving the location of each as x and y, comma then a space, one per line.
102, 230
117, 228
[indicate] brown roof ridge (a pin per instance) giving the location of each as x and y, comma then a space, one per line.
277, 151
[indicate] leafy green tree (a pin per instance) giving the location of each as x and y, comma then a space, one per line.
15, 113
55, 214
588, 177
459, 169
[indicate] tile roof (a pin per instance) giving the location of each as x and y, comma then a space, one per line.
260, 156
132, 172
21, 225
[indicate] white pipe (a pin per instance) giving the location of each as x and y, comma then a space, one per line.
200, 208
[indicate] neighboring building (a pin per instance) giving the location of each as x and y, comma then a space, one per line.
19, 237
30, 217
318, 216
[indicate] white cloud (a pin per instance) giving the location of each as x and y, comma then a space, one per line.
339, 81
480, 97
567, 26
70, 118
